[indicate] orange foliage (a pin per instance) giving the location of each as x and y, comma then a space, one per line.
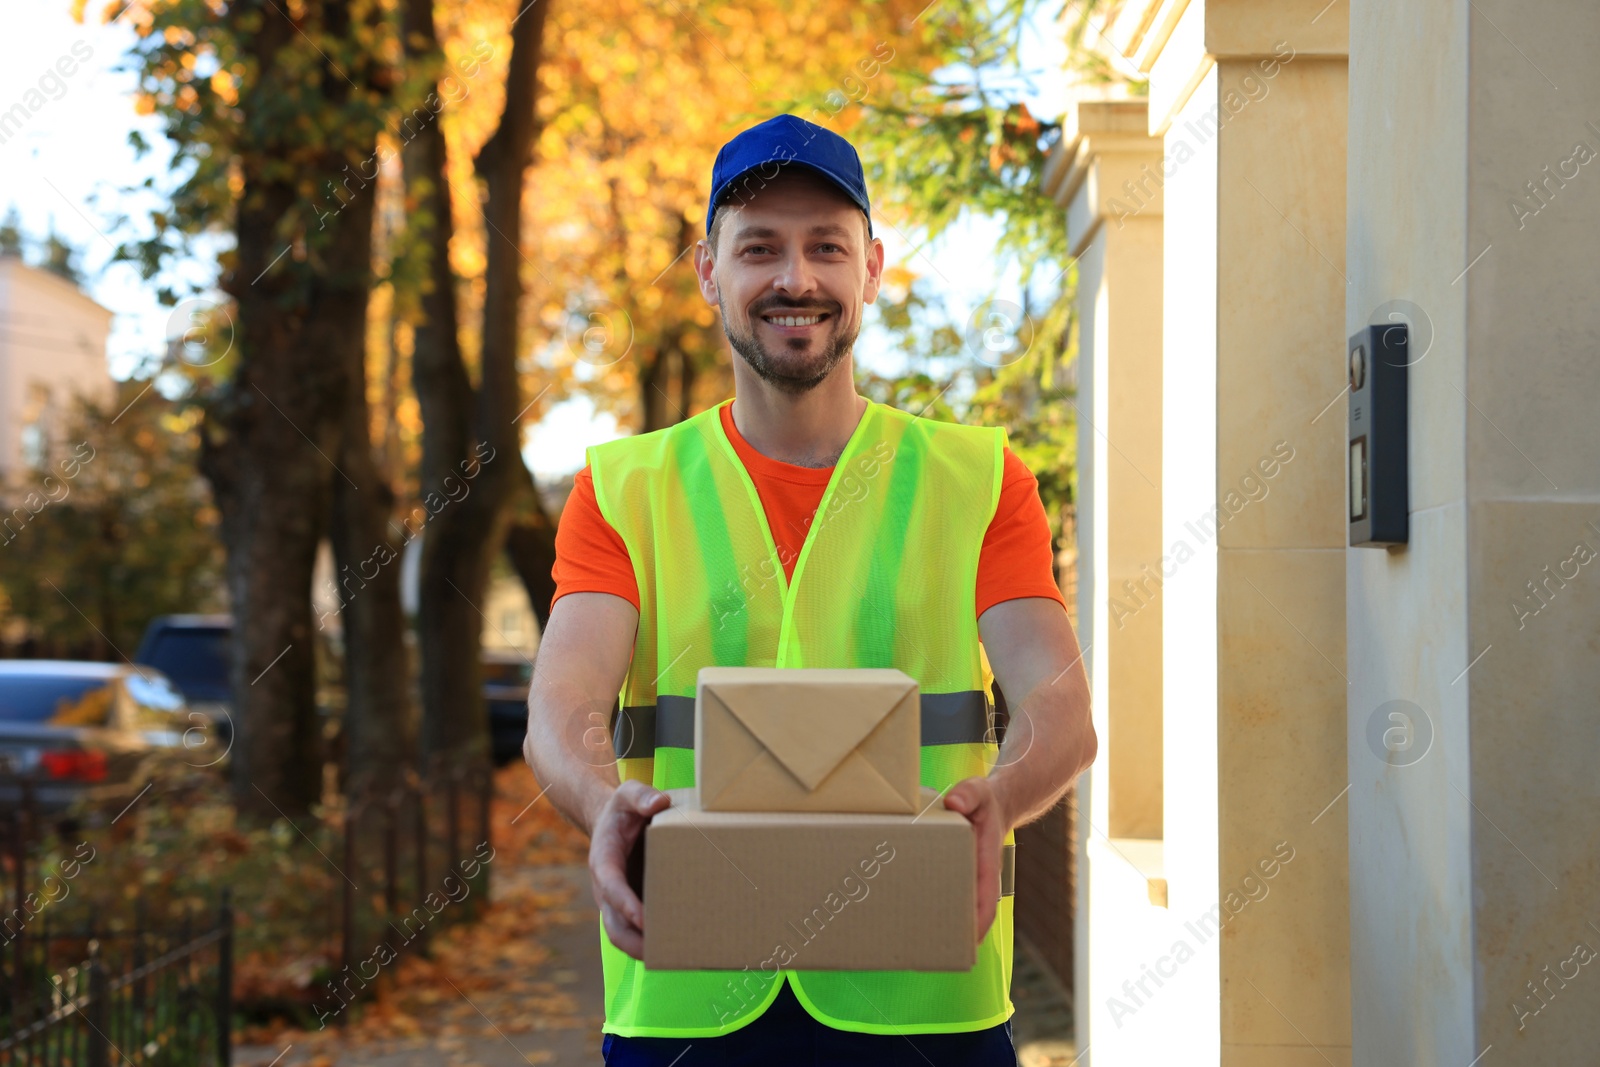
636, 98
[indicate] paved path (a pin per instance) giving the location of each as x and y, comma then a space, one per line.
492, 1012
1042, 1024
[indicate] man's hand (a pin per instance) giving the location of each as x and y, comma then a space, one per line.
1049, 740
583, 656
976, 799
615, 831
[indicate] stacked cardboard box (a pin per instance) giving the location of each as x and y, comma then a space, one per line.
807, 842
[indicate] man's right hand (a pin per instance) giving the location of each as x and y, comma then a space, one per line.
614, 833
583, 658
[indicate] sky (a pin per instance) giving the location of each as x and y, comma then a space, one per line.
70, 167
68, 164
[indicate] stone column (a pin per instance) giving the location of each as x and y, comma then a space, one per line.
1250, 97
1106, 174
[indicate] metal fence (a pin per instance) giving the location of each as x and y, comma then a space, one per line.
406, 860
140, 996
416, 856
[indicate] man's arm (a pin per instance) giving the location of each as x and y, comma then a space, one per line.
1049, 741
583, 658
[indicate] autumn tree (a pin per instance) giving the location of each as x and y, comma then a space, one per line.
273, 113
637, 106
471, 455
11, 233
112, 528
630, 110
956, 140
625, 117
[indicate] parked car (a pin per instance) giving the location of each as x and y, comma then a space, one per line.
80, 730
505, 687
192, 651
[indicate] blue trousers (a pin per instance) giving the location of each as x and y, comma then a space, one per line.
785, 1035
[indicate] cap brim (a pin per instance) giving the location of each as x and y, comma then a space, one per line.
721, 196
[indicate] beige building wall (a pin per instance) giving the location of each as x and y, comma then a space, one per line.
1247, 964
1414, 726
1473, 867
52, 347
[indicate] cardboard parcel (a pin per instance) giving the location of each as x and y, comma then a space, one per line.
767, 739
774, 891
808, 843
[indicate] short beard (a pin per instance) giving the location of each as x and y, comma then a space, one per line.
761, 361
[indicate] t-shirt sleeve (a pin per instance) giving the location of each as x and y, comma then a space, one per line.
591, 556
1017, 553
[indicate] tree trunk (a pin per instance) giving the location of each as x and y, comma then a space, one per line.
391, 457
444, 395
264, 447
665, 368
378, 721
531, 548
652, 398
687, 373
272, 430
472, 466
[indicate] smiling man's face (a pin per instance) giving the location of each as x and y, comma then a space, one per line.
792, 270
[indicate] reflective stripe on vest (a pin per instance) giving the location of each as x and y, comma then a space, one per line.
947, 719
886, 578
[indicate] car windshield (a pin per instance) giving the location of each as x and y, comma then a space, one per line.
151, 692
189, 656
55, 700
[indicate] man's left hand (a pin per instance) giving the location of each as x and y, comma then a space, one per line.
977, 800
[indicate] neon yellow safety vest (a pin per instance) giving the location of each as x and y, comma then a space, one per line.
886, 578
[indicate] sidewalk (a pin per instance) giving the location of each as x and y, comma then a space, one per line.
1042, 1024
530, 992
523, 986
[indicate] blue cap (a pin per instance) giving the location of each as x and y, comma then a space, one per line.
751, 159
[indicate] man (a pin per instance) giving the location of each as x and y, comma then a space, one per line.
802, 525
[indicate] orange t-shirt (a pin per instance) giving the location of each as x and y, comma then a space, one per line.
1014, 561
